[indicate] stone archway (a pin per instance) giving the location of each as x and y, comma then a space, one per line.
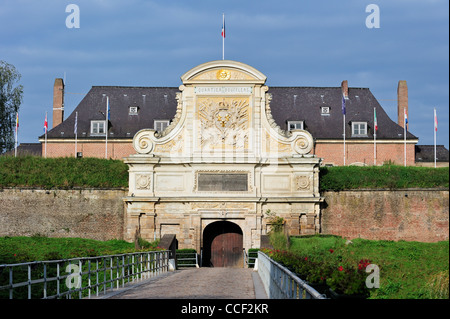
222, 245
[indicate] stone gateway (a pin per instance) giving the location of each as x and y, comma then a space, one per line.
223, 162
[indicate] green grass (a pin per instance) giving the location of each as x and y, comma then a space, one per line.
26, 249
408, 270
386, 176
62, 173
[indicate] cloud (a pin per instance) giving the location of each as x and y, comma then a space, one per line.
305, 43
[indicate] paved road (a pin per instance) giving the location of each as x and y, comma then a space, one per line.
196, 283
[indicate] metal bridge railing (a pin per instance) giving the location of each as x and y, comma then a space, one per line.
280, 283
250, 258
79, 277
187, 259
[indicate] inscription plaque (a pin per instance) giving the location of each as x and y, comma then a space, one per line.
208, 182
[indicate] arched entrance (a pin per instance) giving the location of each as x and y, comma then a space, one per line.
222, 245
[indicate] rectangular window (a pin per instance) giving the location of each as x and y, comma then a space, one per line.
359, 129
97, 128
160, 125
325, 110
133, 110
295, 125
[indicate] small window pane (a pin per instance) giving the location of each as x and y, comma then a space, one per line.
295, 125
359, 129
98, 127
160, 125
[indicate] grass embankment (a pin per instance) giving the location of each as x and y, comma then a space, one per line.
386, 176
68, 172
62, 173
408, 270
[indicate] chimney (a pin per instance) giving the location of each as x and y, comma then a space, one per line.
402, 102
58, 102
344, 87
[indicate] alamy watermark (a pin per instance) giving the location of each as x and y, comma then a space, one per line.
373, 19
73, 281
373, 280
73, 19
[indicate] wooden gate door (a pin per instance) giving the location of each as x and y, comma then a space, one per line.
226, 246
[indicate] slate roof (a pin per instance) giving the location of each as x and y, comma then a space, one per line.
26, 149
305, 103
288, 104
154, 103
425, 153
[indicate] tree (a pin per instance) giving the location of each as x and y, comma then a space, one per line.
11, 95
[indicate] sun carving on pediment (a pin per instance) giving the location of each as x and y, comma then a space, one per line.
223, 74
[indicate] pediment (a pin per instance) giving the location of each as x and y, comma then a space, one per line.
223, 71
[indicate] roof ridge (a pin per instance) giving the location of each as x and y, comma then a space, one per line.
134, 87
317, 87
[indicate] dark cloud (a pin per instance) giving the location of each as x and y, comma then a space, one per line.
295, 43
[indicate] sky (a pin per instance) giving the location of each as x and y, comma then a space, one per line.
294, 43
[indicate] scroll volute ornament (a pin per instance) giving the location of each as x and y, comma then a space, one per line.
303, 143
142, 142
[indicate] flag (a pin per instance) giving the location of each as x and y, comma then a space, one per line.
223, 27
406, 121
375, 119
75, 127
45, 124
435, 121
17, 122
343, 105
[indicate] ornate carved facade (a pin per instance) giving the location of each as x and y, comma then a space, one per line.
222, 158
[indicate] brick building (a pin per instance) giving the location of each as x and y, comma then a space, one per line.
317, 110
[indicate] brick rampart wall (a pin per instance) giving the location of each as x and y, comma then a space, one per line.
88, 213
413, 215
419, 215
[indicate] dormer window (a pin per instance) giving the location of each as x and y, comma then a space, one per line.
133, 110
295, 125
359, 129
97, 128
160, 125
325, 110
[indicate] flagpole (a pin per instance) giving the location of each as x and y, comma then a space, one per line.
344, 138
223, 36
17, 130
106, 127
435, 130
375, 137
76, 132
343, 120
46, 128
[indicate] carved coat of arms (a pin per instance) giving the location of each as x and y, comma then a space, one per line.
224, 122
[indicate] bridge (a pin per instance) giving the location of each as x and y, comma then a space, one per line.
195, 283
150, 275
